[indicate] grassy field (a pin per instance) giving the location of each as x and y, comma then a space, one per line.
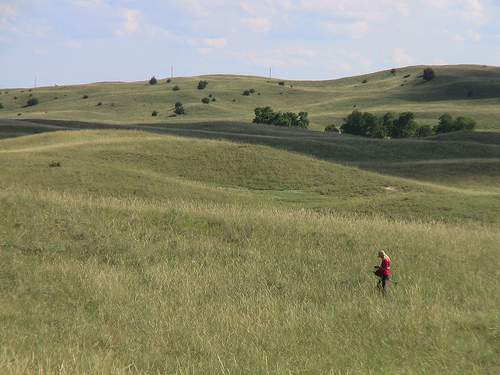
126, 252
471, 91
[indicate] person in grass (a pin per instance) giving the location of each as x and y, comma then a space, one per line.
383, 271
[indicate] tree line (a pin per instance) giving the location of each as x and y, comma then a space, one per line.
403, 126
266, 115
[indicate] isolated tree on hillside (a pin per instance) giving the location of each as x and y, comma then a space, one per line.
153, 81
179, 109
429, 74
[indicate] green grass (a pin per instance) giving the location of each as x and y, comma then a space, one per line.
326, 102
150, 254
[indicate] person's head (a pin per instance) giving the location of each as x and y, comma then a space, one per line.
382, 254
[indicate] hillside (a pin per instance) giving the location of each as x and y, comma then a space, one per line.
462, 159
148, 159
130, 252
472, 91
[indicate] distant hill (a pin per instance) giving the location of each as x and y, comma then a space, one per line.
468, 90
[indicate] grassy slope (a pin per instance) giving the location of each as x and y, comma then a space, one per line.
326, 101
145, 253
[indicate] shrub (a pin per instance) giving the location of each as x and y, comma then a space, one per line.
205, 100
176, 88
154, 114
332, 128
424, 131
1, 105
85, 97
179, 109
31, 102
281, 83
202, 85
153, 80
429, 74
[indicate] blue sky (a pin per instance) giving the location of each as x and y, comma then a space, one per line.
66, 42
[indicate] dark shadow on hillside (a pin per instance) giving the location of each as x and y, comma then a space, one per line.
369, 154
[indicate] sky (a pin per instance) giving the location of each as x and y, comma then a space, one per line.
67, 42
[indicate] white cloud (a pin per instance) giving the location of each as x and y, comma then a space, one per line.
89, 4
74, 44
257, 25
438, 4
219, 42
354, 31
399, 58
7, 10
204, 51
474, 12
131, 25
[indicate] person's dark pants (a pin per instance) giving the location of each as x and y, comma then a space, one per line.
383, 280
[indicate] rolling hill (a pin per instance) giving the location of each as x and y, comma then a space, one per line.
130, 252
471, 91
205, 244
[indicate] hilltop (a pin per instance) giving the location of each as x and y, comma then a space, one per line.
471, 91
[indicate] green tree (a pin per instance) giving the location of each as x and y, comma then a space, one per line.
353, 124
364, 124
153, 81
179, 109
429, 74
264, 115
447, 124
405, 126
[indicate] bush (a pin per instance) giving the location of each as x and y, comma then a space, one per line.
202, 85
154, 114
429, 74
153, 81
205, 100
31, 102
176, 88
1, 105
179, 109
332, 128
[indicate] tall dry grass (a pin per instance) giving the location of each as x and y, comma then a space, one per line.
117, 285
